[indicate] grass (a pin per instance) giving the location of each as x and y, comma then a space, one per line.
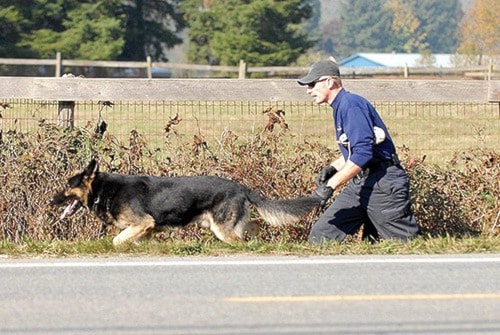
212, 247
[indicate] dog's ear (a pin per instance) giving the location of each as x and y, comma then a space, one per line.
92, 169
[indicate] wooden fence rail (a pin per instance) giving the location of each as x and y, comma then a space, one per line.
243, 70
78, 89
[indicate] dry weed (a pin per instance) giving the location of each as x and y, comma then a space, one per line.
457, 201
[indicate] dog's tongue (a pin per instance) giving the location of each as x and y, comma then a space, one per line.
70, 209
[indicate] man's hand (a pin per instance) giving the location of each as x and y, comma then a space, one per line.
323, 193
325, 174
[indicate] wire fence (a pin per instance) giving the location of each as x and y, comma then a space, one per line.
434, 130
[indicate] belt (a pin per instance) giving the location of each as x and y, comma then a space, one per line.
379, 164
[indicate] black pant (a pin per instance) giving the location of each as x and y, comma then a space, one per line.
377, 196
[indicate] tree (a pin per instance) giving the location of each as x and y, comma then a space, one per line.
480, 31
202, 24
99, 30
16, 22
10, 30
89, 31
365, 26
439, 21
261, 32
151, 28
406, 27
398, 25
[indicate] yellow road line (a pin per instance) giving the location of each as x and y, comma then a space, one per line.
367, 297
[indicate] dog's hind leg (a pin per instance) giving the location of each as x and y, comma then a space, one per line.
135, 232
231, 221
207, 220
247, 229
224, 233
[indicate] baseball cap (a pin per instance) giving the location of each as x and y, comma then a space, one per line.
319, 69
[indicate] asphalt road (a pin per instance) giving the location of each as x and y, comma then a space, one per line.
256, 295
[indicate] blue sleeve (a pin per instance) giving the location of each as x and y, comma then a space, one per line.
358, 127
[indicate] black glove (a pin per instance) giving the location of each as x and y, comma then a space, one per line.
323, 193
325, 174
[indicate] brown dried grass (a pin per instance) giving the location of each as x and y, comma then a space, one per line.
461, 200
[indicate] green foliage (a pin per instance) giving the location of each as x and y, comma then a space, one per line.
439, 21
406, 27
261, 32
365, 25
90, 33
95, 30
151, 27
9, 29
397, 25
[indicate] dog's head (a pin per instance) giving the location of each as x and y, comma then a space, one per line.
77, 190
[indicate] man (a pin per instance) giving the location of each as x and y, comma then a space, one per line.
377, 193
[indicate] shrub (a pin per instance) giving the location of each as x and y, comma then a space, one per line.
460, 200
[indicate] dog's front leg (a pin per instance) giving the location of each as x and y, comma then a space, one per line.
135, 232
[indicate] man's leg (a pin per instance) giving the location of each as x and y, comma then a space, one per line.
343, 217
389, 206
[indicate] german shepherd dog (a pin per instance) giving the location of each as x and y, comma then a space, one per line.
141, 205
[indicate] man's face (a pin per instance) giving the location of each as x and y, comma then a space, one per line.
319, 90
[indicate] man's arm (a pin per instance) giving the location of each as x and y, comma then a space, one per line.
346, 171
339, 163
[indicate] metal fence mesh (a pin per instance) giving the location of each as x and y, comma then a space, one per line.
437, 130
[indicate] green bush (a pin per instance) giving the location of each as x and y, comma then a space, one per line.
463, 199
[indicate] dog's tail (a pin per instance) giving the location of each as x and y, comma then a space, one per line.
283, 212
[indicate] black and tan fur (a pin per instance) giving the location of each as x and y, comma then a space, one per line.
140, 205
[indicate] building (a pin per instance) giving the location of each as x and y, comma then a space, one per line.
399, 60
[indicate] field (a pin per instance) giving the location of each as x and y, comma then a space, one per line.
435, 130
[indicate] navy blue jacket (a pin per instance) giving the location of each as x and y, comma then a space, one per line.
355, 117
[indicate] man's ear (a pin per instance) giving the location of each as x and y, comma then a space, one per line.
330, 83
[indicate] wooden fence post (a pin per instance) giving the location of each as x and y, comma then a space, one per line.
148, 67
66, 110
66, 114
406, 71
242, 70
58, 64
490, 68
